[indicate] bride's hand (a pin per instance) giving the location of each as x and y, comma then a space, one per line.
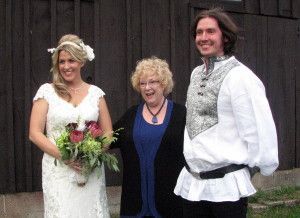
105, 147
75, 165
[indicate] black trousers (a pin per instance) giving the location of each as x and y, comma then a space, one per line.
225, 209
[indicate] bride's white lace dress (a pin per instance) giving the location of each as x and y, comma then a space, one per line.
62, 196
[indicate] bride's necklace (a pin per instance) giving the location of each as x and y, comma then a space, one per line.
154, 116
76, 90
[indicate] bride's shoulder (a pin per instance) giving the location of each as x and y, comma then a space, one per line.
45, 91
47, 86
96, 91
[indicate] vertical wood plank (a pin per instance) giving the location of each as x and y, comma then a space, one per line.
232, 6
86, 31
3, 96
285, 8
172, 43
9, 151
4, 92
281, 85
40, 64
41, 28
129, 45
194, 56
53, 16
180, 52
156, 29
65, 18
113, 54
296, 70
239, 21
255, 55
269, 7
18, 95
143, 27
296, 8
77, 17
252, 6
134, 45
27, 97
97, 42
111, 75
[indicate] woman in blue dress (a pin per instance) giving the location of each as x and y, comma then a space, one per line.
151, 145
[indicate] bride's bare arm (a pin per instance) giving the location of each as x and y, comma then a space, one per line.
104, 118
37, 128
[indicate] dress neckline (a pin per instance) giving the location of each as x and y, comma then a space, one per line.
68, 103
153, 124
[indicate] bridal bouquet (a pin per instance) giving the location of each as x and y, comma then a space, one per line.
86, 144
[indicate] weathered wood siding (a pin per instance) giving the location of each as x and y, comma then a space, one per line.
122, 32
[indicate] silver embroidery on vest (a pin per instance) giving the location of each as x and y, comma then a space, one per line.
202, 98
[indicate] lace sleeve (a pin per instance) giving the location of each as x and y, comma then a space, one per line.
97, 93
42, 92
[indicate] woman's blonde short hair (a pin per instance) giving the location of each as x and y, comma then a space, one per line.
153, 66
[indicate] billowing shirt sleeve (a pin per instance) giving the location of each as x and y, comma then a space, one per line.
254, 119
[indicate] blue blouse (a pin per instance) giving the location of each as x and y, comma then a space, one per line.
147, 138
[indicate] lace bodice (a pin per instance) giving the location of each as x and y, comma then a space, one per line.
62, 196
61, 112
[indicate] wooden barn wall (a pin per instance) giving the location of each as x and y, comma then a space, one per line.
122, 32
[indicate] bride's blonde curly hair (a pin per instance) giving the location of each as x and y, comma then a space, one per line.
71, 44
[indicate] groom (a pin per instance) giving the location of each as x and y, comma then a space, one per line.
229, 126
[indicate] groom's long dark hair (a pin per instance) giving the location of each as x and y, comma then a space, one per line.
227, 25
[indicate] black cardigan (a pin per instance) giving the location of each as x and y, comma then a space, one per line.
169, 161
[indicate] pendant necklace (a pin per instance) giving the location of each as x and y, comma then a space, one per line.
154, 116
76, 90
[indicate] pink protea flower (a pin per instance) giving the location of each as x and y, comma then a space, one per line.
94, 128
76, 136
90, 124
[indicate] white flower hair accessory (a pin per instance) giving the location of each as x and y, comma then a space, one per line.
89, 51
51, 50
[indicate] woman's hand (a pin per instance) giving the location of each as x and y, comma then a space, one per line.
75, 165
105, 147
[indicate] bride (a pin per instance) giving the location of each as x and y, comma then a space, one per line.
55, 105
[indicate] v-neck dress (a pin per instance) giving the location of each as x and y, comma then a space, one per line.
62, 196
147, 138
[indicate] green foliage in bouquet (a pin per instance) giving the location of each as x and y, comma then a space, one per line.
87, 146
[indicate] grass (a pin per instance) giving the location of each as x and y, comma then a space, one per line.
276, 212
280, 194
